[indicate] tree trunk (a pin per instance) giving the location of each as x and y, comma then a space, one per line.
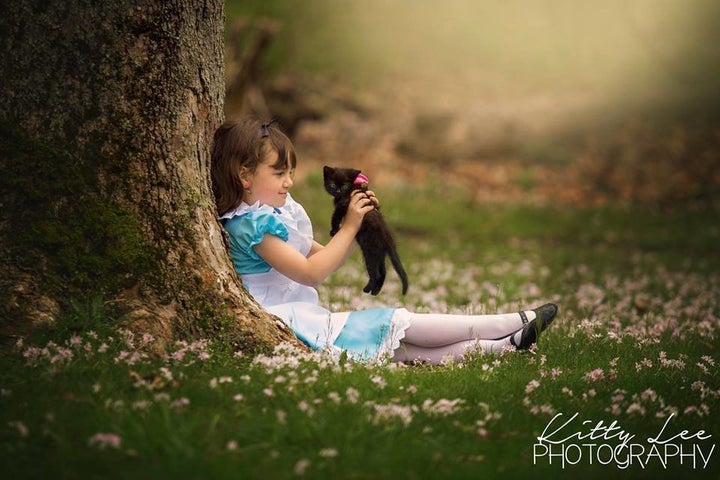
107, 111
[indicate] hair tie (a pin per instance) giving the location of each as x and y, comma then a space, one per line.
361, 180
264, 127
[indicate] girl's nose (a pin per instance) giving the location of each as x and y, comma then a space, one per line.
288, 181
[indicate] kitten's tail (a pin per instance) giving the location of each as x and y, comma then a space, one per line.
399, 269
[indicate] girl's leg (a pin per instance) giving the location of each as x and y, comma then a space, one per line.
425, 336
436, 330
408, 352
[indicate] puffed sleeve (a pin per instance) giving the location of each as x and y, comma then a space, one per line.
245, 232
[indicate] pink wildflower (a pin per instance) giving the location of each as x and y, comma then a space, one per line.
178, 356
63, 354
32, 352
180, 402
635, 407
442, 407
352, 395
203, 355
649, 394
104, 440
392, 411
615, 409
595, 375
532, 385
378, 380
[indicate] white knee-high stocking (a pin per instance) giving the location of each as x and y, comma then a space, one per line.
436, 330
408, 352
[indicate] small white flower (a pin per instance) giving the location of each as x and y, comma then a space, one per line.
378, 380
328, 452
301, 466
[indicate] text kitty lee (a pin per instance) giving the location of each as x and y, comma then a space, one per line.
570, 441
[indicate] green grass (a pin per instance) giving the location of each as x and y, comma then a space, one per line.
639, 298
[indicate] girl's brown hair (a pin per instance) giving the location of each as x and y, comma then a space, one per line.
244, 143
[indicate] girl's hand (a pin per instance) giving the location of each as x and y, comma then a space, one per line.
371, 195
360, 204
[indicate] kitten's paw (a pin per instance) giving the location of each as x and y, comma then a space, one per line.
370, 287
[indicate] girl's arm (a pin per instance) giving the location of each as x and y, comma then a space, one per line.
314, 269
317, 247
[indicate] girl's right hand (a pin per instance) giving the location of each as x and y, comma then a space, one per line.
360, 204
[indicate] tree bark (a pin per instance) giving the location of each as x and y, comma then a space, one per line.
107, 111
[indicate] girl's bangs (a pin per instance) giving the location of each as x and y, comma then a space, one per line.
285, 151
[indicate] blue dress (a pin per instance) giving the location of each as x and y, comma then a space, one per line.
366, 335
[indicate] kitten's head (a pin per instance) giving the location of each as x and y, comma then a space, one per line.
339, 181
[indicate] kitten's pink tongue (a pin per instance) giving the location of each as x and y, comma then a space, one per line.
360, 179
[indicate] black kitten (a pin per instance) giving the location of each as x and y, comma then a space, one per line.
374, 236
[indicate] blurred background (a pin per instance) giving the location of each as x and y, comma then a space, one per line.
548, 101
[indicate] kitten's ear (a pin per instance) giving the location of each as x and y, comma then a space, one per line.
355, 173
328, 171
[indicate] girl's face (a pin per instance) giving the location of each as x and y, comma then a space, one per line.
268, 184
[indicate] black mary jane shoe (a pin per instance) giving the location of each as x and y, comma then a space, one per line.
544, 316
528, 336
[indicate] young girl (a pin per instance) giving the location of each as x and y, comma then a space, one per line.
271, 245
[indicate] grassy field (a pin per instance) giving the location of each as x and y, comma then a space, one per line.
632, 356
635, 343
